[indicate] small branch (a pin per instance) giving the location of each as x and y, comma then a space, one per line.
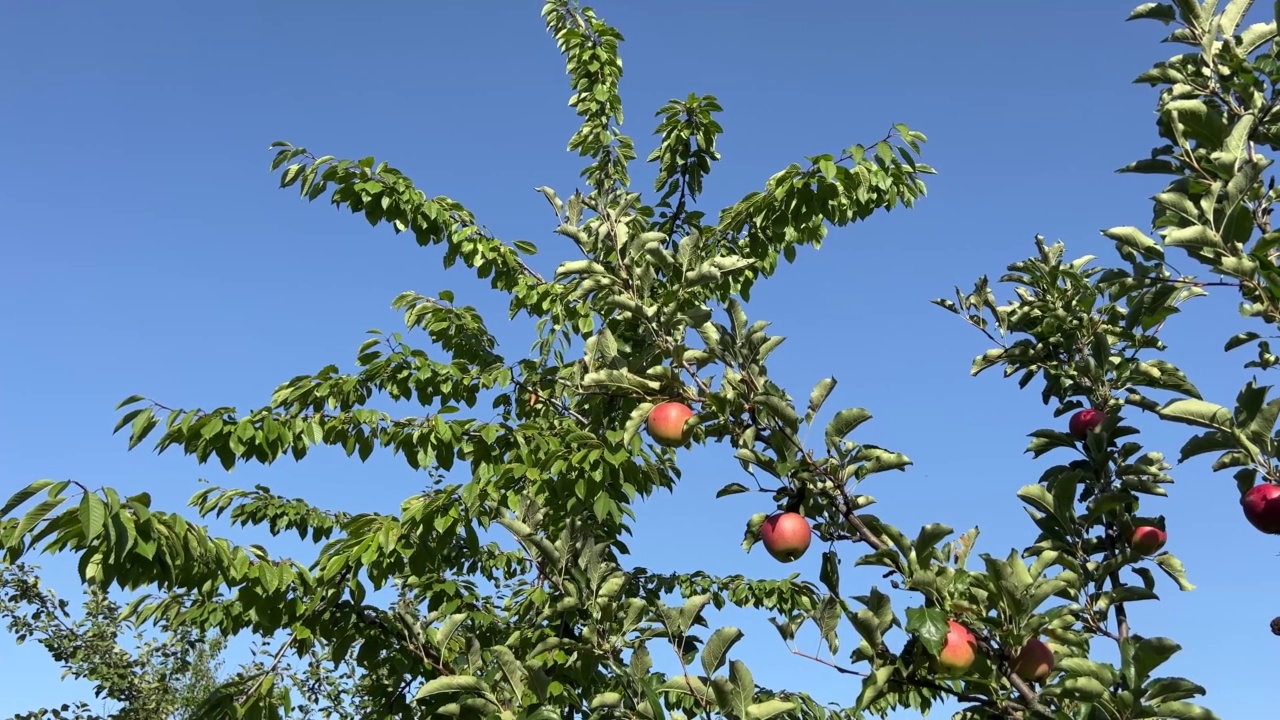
838, 668
684, 672
563, 408
1028, 694
918, 682
526, 269
275, 662
271, 669
1122, 615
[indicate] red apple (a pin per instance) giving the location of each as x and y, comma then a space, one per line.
1262, 507
1084, 421
1148, 540
666, 424
1033, 661
958, 649
786, 536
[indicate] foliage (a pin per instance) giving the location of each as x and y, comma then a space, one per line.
553, 624
165, 678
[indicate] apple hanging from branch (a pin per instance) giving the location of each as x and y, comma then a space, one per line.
667, 424
1083, 421
1262, 507
1148, 539
958, 649
786, 536
1033, 662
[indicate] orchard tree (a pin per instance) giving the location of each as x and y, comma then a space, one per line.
165, 672
1218, 111
643, 344
139, 677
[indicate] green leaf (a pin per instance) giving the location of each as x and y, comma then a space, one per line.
1262, 424
291, 174
1038, 497
605, 700
1173, 568
1196, 412
1212, 441
688, 613
1152, 166
93, 515
142, 426
656, 711
874, 687
752, 532
1045, 440
556, 205
1196, 237
1084, 689
845, 422
778, 408
580, 438
1232, 14
768, 709
1135, 240
865, 622
878, 460
612, 380
452, 684
929, 537
37, 514
930, 625
829, 573
1154, 11
744, 687
716, 651
1169, 377
1181, 710
1132, 593
635, 421
24, 495
1150, 653
1240, 339
130, 400
447, 628
733, 488
819, 396
1169, 689
512, 670
1103, 674
1249, 402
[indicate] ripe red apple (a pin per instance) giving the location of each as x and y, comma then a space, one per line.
1034, 661
1262, 507
1084, 421
1148, 540
786, 536
958, 649
666, 423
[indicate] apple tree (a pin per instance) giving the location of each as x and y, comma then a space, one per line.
1218, 113
142, 678
643, 343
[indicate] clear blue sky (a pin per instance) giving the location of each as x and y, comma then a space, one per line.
146, 248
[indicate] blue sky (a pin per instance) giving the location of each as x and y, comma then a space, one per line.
148, 250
